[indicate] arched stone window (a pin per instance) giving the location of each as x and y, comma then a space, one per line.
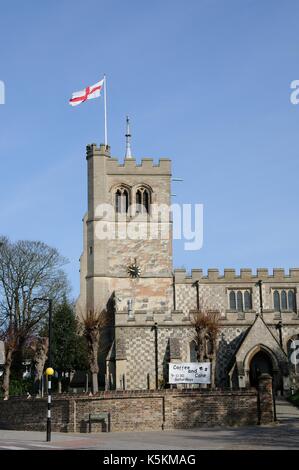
276, 301
284, 302
247, 300
232, 300
121, 200
239, 301
142, 200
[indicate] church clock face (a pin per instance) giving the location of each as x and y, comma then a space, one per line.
134, 270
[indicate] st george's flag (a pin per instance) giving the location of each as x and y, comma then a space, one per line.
90, 92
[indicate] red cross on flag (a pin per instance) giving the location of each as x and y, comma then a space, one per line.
93, 91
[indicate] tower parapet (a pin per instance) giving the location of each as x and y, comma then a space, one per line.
93, 149
146, 167
114, 167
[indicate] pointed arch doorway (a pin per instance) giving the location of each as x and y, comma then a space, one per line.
261, 363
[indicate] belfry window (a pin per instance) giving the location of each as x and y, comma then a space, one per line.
142, 201
138, 198
284, 300
121, 200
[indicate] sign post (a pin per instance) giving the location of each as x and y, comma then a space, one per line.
49, 373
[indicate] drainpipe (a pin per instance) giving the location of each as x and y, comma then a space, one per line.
259, 284
279, 328
197, 295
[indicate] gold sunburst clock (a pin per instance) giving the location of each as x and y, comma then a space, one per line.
134, 270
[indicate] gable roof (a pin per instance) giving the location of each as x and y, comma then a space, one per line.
258, 333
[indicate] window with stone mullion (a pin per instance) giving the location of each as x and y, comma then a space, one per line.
284, 300
240, 300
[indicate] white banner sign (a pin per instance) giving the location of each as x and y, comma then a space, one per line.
190, 373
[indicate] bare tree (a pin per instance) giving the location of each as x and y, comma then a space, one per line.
29, 270
10, 339
206, 325
93, 324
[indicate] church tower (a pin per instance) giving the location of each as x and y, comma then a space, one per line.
127, 232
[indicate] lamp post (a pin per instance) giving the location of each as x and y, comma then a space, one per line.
49, 370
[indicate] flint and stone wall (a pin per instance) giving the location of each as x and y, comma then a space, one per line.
136, 336
213, 290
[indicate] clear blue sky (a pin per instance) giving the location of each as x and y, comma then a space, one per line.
206, 83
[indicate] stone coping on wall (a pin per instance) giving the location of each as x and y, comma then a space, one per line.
186, 321
110, 394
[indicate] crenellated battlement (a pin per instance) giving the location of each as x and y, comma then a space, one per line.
129, 166
230, 275
93, 149
146, 167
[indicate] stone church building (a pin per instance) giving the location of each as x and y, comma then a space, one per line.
150, 304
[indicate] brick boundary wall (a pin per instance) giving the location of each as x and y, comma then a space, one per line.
143, 410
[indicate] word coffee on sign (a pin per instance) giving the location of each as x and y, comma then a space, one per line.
190, 373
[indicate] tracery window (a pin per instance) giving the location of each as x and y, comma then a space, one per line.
142, 200
121, 200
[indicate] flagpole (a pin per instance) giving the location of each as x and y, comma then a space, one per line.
105, 111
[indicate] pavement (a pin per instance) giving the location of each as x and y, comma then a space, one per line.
283, 435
